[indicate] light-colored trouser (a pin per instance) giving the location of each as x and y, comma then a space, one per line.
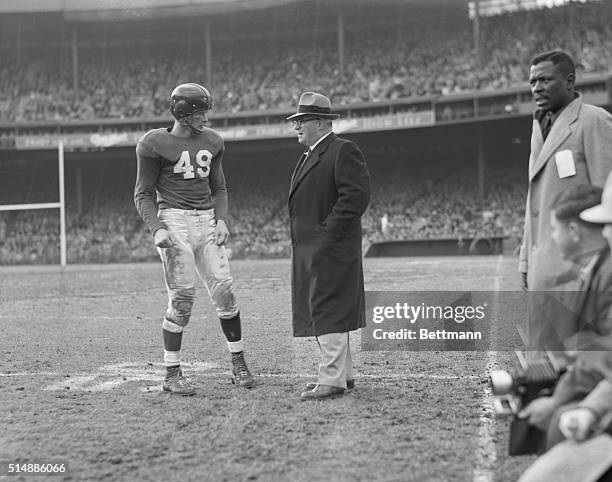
195, 252
336, 366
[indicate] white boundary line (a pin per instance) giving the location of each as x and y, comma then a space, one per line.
130, 374
109, 377
100, 382
486, 455
30, 374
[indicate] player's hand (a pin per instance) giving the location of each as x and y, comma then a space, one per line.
524, 281
577, 424
222, 234
539, 411
163, 238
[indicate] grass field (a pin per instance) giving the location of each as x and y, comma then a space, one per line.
80, 383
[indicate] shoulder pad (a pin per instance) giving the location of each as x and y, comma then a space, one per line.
152, 142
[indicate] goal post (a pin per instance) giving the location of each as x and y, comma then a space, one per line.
61, 204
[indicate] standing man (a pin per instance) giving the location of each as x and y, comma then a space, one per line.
179, 170
330, 190
571, 144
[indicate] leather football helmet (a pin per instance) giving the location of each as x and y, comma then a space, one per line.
188, 99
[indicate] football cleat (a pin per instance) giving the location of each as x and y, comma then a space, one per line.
176, 383
242, 375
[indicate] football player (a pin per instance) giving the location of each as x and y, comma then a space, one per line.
180, 194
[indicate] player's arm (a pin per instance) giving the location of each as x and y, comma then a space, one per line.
218, 190
352, 181
148, 169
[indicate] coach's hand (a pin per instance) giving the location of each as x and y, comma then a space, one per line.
524, 281
163, 239
221, 233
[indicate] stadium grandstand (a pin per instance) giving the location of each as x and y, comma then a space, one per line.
434, 91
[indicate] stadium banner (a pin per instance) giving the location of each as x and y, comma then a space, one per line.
102, 140
481, 321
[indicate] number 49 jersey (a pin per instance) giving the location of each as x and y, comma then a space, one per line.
181, 173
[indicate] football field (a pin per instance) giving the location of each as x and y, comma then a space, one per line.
81, 371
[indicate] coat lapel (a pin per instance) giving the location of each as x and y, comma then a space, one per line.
310, 162
559, 132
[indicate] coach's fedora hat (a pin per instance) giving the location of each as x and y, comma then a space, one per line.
314, 104
602, 213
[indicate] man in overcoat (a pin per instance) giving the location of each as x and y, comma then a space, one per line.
330, 190
571, 144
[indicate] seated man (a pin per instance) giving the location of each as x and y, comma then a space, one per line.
586, 422
588, 320
583, 398
586, 455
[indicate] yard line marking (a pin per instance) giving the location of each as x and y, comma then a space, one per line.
395, 376
30, 374
408, 376
97, 383
50, 318
130, 373
108, 377
486, 455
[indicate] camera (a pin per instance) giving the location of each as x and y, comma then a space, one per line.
531, 379
514, 390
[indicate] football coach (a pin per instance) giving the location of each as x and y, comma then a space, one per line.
330, 190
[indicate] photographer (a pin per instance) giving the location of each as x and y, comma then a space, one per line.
582, 243
580, 409
586, 455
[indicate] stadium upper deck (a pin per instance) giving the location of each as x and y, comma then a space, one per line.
79, 63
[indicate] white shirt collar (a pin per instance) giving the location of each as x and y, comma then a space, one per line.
320, 139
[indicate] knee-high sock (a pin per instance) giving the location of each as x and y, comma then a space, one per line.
173, 337
232, 329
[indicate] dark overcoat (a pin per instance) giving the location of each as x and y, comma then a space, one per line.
326, 200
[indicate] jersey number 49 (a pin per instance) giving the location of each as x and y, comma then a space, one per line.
202, 160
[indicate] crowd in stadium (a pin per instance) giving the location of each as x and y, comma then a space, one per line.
415, 204
446, 205
421, 203
125, 82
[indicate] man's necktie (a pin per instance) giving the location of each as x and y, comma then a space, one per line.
546, 124
300, 164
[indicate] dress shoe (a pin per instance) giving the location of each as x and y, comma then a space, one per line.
322, 392
350, 384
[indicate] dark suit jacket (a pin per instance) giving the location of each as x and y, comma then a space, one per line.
326, 201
